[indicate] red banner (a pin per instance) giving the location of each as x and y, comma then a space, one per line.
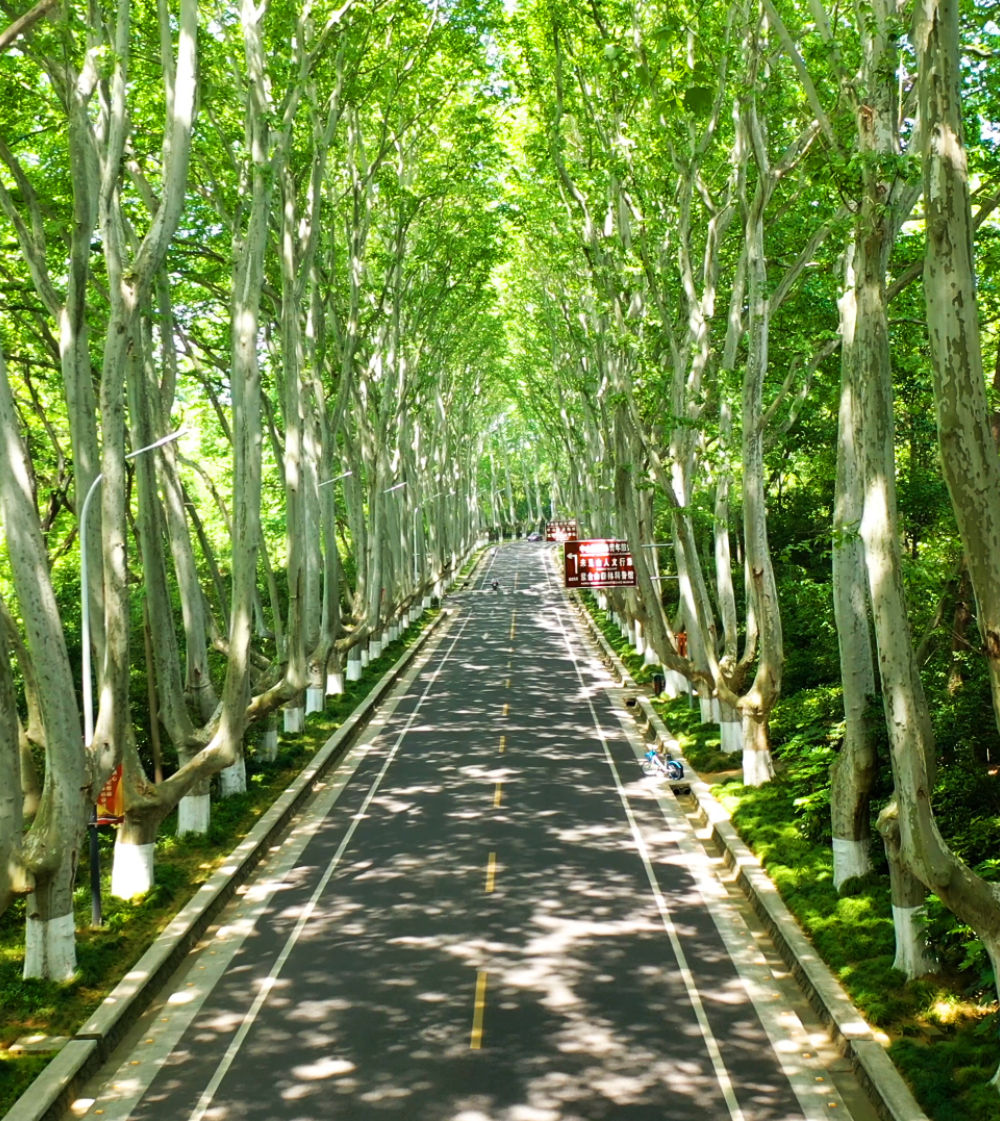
111, 800
598, 564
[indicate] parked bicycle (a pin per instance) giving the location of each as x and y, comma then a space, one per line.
654, 763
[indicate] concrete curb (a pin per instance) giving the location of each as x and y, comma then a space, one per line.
885, 1086
51, 1094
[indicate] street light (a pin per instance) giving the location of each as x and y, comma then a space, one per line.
87, 684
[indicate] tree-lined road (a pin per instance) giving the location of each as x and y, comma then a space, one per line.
489, 914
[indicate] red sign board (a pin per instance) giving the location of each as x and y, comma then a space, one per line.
561, 531
111, 800
598, 564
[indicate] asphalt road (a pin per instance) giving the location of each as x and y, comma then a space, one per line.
489, 914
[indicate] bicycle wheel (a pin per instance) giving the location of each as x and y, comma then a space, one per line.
674, 769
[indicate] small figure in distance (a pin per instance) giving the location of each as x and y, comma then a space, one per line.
495, 585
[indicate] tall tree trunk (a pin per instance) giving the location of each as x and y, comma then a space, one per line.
968, 449
757, 704
12, 875
51, 848
853, 774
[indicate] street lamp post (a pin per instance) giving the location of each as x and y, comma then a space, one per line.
85, 669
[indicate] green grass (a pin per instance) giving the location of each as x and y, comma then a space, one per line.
105, 955
941, 1031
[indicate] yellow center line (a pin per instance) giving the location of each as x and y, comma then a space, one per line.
506, 710
506, 684
476, 1039
513, 625
491, 872
503, 744
496, 795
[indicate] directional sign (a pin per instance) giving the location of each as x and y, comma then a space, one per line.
561, 531
598, 564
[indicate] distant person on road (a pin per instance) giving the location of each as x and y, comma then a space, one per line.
495, 585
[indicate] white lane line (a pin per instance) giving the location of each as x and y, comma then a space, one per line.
208, 1094
684, 969
810, 1082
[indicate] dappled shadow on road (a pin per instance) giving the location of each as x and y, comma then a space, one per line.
488, 946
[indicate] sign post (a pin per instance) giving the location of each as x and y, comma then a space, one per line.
602, 563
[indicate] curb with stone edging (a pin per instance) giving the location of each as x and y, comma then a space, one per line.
51, 1094
882, 1081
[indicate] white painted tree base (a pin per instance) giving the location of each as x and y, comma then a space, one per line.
650, 658
705, 704
334, 684
758, 768
732, 736
676, 682
851, 860
374, 649
50, 948
366, 654
194, 814
233, 779
132, 870
425, 603
912, 954
669, 685
294, 718
354, 667
269, 745
314, 699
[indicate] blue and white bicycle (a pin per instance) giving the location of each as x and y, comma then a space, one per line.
653, 763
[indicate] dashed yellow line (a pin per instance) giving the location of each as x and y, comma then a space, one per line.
503, 744
491, 873
513, 625
506, 684
496, 795
506, 709
479, 1010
